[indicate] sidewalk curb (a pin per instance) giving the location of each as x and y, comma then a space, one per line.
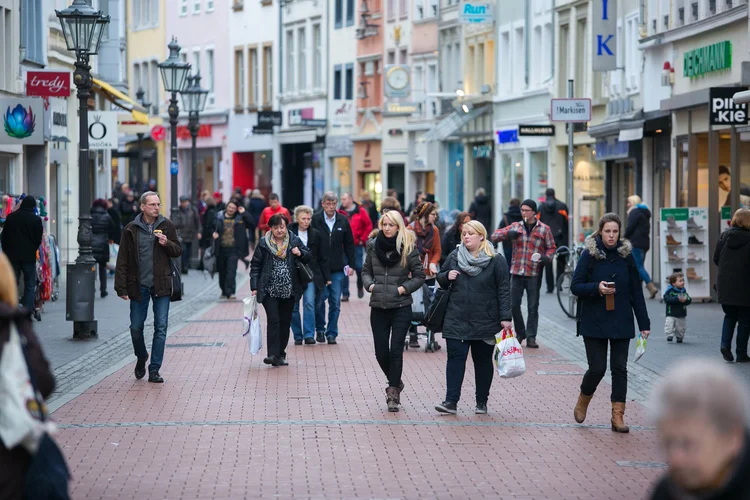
74, 378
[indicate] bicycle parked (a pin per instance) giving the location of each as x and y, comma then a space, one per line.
564, 296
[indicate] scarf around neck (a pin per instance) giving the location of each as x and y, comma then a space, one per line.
469, 264
425, 237
279, 252
385, 249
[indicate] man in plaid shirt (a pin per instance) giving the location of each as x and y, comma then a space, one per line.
530, 237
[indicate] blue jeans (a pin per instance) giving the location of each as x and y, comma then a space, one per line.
734, 315
308, 303
333, 293
359, 256
29, 282
138, 313
640, 257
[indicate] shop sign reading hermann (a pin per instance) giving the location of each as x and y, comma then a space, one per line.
714, 57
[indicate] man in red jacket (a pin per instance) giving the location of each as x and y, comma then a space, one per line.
361, 225
274, 207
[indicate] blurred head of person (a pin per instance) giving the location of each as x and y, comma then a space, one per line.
390, 203
329, 203
273, 201
303, 215
391, 225
231, 207
474, 238
278, 225
700, 409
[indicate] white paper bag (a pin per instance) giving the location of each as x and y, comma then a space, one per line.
251, 321
508, 355
640, 347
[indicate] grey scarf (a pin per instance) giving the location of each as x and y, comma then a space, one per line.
469, 264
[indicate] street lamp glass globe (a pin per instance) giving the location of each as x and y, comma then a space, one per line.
82, 27
174, 70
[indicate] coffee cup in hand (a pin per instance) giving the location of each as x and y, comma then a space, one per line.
536, 257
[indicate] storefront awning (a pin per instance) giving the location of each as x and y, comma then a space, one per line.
138, 112
452, 123
613, 126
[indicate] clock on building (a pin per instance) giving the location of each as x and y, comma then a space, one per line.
397, 78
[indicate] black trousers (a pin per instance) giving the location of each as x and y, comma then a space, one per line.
529, 284
226, 266
596, 353
102, 276
547, 271
279, 315
187, 248
481, 353
389, 328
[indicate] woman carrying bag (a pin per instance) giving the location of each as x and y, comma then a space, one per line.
478, 308
608, 287
277, 282
391, 273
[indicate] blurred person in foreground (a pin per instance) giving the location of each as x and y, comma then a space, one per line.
701, 416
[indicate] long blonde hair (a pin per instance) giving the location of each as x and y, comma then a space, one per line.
404, 239
478, 227
8, 290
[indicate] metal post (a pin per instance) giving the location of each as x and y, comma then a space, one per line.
194, 127
139, 168
571, 236
174, 112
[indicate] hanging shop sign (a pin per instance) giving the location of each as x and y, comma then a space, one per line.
400, 108
339, 145
483, 151
476, 12
506, 136
343, 113
258, 130
604, 39
305, 118
536, 130
184, 133
570, 110
126, 124
611, 149
23, 120
723, 109
103, 129
269, 119
48, 83
630, 134
158, 133
714, 57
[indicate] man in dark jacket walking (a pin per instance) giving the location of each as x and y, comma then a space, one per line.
230, 238
361, 226
554, 213
101, 228
512, 215
114, 214
144, 273
188, 224
338, 243
481, 208
21, 238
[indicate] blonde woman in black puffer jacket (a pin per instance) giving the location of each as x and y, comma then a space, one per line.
392, 272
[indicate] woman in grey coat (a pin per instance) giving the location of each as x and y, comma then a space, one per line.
392, 272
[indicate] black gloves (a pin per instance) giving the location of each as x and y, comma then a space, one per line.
512, 234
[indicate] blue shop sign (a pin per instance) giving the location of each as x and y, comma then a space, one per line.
506, 136
611, 149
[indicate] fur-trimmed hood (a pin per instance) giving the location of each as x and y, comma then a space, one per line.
596, 248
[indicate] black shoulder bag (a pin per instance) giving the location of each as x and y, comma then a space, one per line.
435, 314
176, 295
304, 271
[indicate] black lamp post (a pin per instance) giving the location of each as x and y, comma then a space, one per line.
140, 95
173, 73
82, 27
194, 99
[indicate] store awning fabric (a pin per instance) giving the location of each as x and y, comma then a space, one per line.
118, 98
452, 124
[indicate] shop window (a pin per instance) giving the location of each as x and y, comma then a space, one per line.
588, 186
683, 172
539, 183
6, 173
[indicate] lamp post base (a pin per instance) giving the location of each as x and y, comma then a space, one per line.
79, 299
85, 330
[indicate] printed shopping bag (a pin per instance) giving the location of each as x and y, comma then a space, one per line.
640, 347
252, 328
114, 248
508, 355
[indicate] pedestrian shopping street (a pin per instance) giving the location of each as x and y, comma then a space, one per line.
226, 426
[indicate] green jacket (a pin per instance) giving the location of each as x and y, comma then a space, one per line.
675, 308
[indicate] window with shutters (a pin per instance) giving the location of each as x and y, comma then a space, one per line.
32, 20
239, 79
267, 75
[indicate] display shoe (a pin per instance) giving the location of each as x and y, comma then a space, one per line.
694, 241
671, 224
673, 257
692, 224
694, 258
671, 241
691, 274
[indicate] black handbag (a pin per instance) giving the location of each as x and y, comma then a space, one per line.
176, 295
305, 272
435, 315
47, 476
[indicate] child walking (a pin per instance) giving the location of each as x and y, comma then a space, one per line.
677, 300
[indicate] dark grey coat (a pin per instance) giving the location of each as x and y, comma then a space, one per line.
387, 279
477, 304
261, 267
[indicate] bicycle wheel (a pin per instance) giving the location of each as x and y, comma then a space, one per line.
564, 296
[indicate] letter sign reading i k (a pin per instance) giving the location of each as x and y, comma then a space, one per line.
604, 27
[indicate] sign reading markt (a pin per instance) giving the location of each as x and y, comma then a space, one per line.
714, 57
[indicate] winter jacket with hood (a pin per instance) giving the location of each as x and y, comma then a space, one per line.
512, 215
612, 265
675, 308
242, 221
554, 213
22, 233
387, 279
261, 267
481, 210
360, 222
477, 304
732, 255
319, 258
337, 243
17, 460
101, 227
638, 230
128, 270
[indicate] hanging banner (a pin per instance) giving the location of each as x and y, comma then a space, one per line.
604, 39
23, 120
103, 130
48, 83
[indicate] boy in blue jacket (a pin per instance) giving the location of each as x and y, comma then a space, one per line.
677, 300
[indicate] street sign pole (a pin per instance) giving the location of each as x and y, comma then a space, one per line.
571, 236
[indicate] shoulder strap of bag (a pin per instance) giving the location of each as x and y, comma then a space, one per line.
32, 377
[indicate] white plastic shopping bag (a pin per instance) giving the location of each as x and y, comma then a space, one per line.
508, 355
252, 325
114, 248
18, 425
640, 347
417, 301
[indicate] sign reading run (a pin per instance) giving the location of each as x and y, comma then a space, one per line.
714, 57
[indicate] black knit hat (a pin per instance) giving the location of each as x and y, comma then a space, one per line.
529, 203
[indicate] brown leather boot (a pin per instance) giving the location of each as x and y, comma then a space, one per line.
579, 412
391, 398
618, 412
652, 289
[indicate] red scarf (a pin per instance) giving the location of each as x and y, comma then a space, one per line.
425, 237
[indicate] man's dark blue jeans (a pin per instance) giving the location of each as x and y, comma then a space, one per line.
29, 282
138, 313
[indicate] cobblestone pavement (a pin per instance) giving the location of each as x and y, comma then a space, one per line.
226, 426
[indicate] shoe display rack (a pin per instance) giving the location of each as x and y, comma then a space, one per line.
684, 248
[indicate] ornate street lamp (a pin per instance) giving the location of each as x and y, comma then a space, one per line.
82, 28
194, 100
173, 73
140, 95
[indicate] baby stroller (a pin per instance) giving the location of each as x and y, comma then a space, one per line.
421, 300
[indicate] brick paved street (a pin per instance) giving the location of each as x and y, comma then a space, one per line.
226, 426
